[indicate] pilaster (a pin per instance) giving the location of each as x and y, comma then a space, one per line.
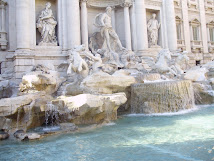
186, 25
3, 33
73, 23
203, 26
141, 25
84, 22
23, 24
170, 25
133, 26
126, 6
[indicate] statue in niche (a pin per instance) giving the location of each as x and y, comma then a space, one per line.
153, 27
46, 25
111, 45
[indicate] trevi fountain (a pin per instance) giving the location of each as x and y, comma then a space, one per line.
107, 80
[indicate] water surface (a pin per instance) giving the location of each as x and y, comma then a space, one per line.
180, 137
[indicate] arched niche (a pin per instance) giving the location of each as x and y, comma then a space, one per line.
39, 6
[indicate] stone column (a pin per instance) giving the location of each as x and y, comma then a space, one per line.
203, 26
3, 15
171, 25
126, 6
22, 24
3, 38
64, 25
133, 26
59, 21
113, 18
141, 25
84, 23
186, 25
73, 23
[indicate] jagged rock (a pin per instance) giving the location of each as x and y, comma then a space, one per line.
104, 83
25, 111
40, 81
196, 74
203, 93
8, 89
21, 135
3, 135
87, 108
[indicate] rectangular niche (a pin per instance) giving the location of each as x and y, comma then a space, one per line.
149, 13
39, 6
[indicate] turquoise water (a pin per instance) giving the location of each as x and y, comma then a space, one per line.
184, 137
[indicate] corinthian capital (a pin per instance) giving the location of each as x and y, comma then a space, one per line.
127, 3
3, 3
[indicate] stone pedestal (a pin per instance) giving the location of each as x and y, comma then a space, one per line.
23, 63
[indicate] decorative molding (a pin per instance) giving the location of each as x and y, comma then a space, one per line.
154, 3
3, 3
126, 4
195, 21
209, 4
192, 3
177, 3
104, 3
211, 24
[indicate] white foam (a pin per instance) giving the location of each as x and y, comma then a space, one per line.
52, 128
182, 112
110, 124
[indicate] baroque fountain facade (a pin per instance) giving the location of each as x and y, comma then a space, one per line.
80, 62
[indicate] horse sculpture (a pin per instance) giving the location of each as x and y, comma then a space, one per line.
161, 66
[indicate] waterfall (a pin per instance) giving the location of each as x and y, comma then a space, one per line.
51, 115
161, 97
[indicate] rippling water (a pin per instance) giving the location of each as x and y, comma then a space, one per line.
168, 137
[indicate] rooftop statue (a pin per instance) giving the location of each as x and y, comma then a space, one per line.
153, 27
46, 25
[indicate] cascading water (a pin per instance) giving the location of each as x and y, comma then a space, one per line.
161, 97
51, 117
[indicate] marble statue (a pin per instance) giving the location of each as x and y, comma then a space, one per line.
103, 20
112, 44
153, 27
180, 61
76, 63
162, 63
46, 25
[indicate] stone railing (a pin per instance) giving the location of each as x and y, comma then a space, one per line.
196, 45
181, 44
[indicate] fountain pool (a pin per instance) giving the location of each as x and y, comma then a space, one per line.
179, 137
